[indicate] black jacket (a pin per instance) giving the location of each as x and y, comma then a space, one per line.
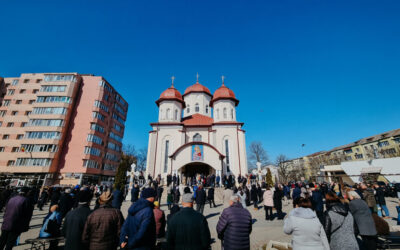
134, 194
73, 227
278, 195
211, 194
380, 196
65, 204
201, 196
188, 229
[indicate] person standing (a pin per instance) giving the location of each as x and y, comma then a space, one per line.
65, 203
75, 222
43, 199
268, 203
135, 193
51, 226
160, 191
380, 200
159, 217
278, 195
318, 203
200, 199
16, 219
188, 229
118, 198
303, 224
210, 196
235, 225
139, 229
363, 218
254, 196
369, 197
103, 226
339, 224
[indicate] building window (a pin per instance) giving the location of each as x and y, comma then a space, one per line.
1, 149
197, 108
23, 124
26, 80
217, 113
383, 144
225, 114
19, 137
49, 111
46, 122
166, 156
397, 140
90, 164
64, 99
92, 151
35, 91
6, 103
1, 124
10, 163
18, 101
232, 114
206, 109
99, 116
15, 82
390, 151
197, 137
97, 127
10, 124
359, 156
15, 149
38, 80
95, 139
53, 88
188, 109
168, 114
14, 113
5, 137
348, 158
2, 113
59, 78
28, 112
101, 105
44, 162
51, 148
176, 114
43, 135
31, 101
22, 91
10, 92
348, 151
228, 163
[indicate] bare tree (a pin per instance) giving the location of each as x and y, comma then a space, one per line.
283, 167
139, 156
257, 154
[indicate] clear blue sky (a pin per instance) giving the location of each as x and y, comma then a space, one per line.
322, 73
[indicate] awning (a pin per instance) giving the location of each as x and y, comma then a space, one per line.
371, 170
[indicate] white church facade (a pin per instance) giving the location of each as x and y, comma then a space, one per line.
197, 133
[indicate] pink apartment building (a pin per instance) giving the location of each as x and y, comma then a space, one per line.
60, 128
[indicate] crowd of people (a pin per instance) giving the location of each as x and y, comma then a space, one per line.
326, 216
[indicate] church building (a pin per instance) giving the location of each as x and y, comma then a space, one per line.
197, 133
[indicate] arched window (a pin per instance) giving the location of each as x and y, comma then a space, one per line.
168, 114
161, 114
166, 156
225, 114
188, 109
217, 114
227, 156
206, 109
197, 108
197, 137
232, 114
176, 114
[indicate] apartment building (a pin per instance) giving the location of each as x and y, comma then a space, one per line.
60, 128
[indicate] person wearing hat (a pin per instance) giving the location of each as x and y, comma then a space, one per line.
16, 219
139, 229
159, 216
188, 229
103, 226
75, 222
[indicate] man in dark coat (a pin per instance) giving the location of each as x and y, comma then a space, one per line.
235, 225
139, 229
16, 219
55, 197
296, 192
160, 190
118, 198
75, 222
188, 229
65, 203
103, 226
254, 196
380, 200
210, 196
200, 199
277, 197
318, 203
135, 193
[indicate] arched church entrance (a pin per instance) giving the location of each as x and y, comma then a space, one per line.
191, 172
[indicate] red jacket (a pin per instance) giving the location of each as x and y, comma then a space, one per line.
159, 216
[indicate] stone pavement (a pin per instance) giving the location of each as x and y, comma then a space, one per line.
263, 231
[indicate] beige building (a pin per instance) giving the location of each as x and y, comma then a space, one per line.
60, 128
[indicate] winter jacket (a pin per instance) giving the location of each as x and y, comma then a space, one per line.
369, 197
210, 194
73, 226
102, 228
307, 231
268, 198
159, 217
201, 196
339, 228
253, 194
188, 229
234, 227
134, 194
65, 204
380, 196
242, 198
278, 195
140, 226
17, 215
296, 193
118, 198
53, 216
227, 196
362, 215
317, 201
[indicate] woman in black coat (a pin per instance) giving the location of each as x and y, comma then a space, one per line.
246, 190
254, 196
278, 195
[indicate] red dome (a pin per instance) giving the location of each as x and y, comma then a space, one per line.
197, 88
224, 93
170, 94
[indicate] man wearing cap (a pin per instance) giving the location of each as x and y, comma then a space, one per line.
75, 222
159, 217
139, 229
188, 229
103, 226
16, 219
235, 225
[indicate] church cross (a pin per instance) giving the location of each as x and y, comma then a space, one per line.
197, 77
172, 81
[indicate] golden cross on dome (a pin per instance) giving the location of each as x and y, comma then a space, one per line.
197, 77
223, 80
172, 81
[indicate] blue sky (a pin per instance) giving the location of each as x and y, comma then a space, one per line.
322, 73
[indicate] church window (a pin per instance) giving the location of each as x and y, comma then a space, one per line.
197, 137
225, 114
232, 114
176, 114
188, 109
217, 114
197, 108
166, 156
227, 156
168, 114
161, 114
206, 109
